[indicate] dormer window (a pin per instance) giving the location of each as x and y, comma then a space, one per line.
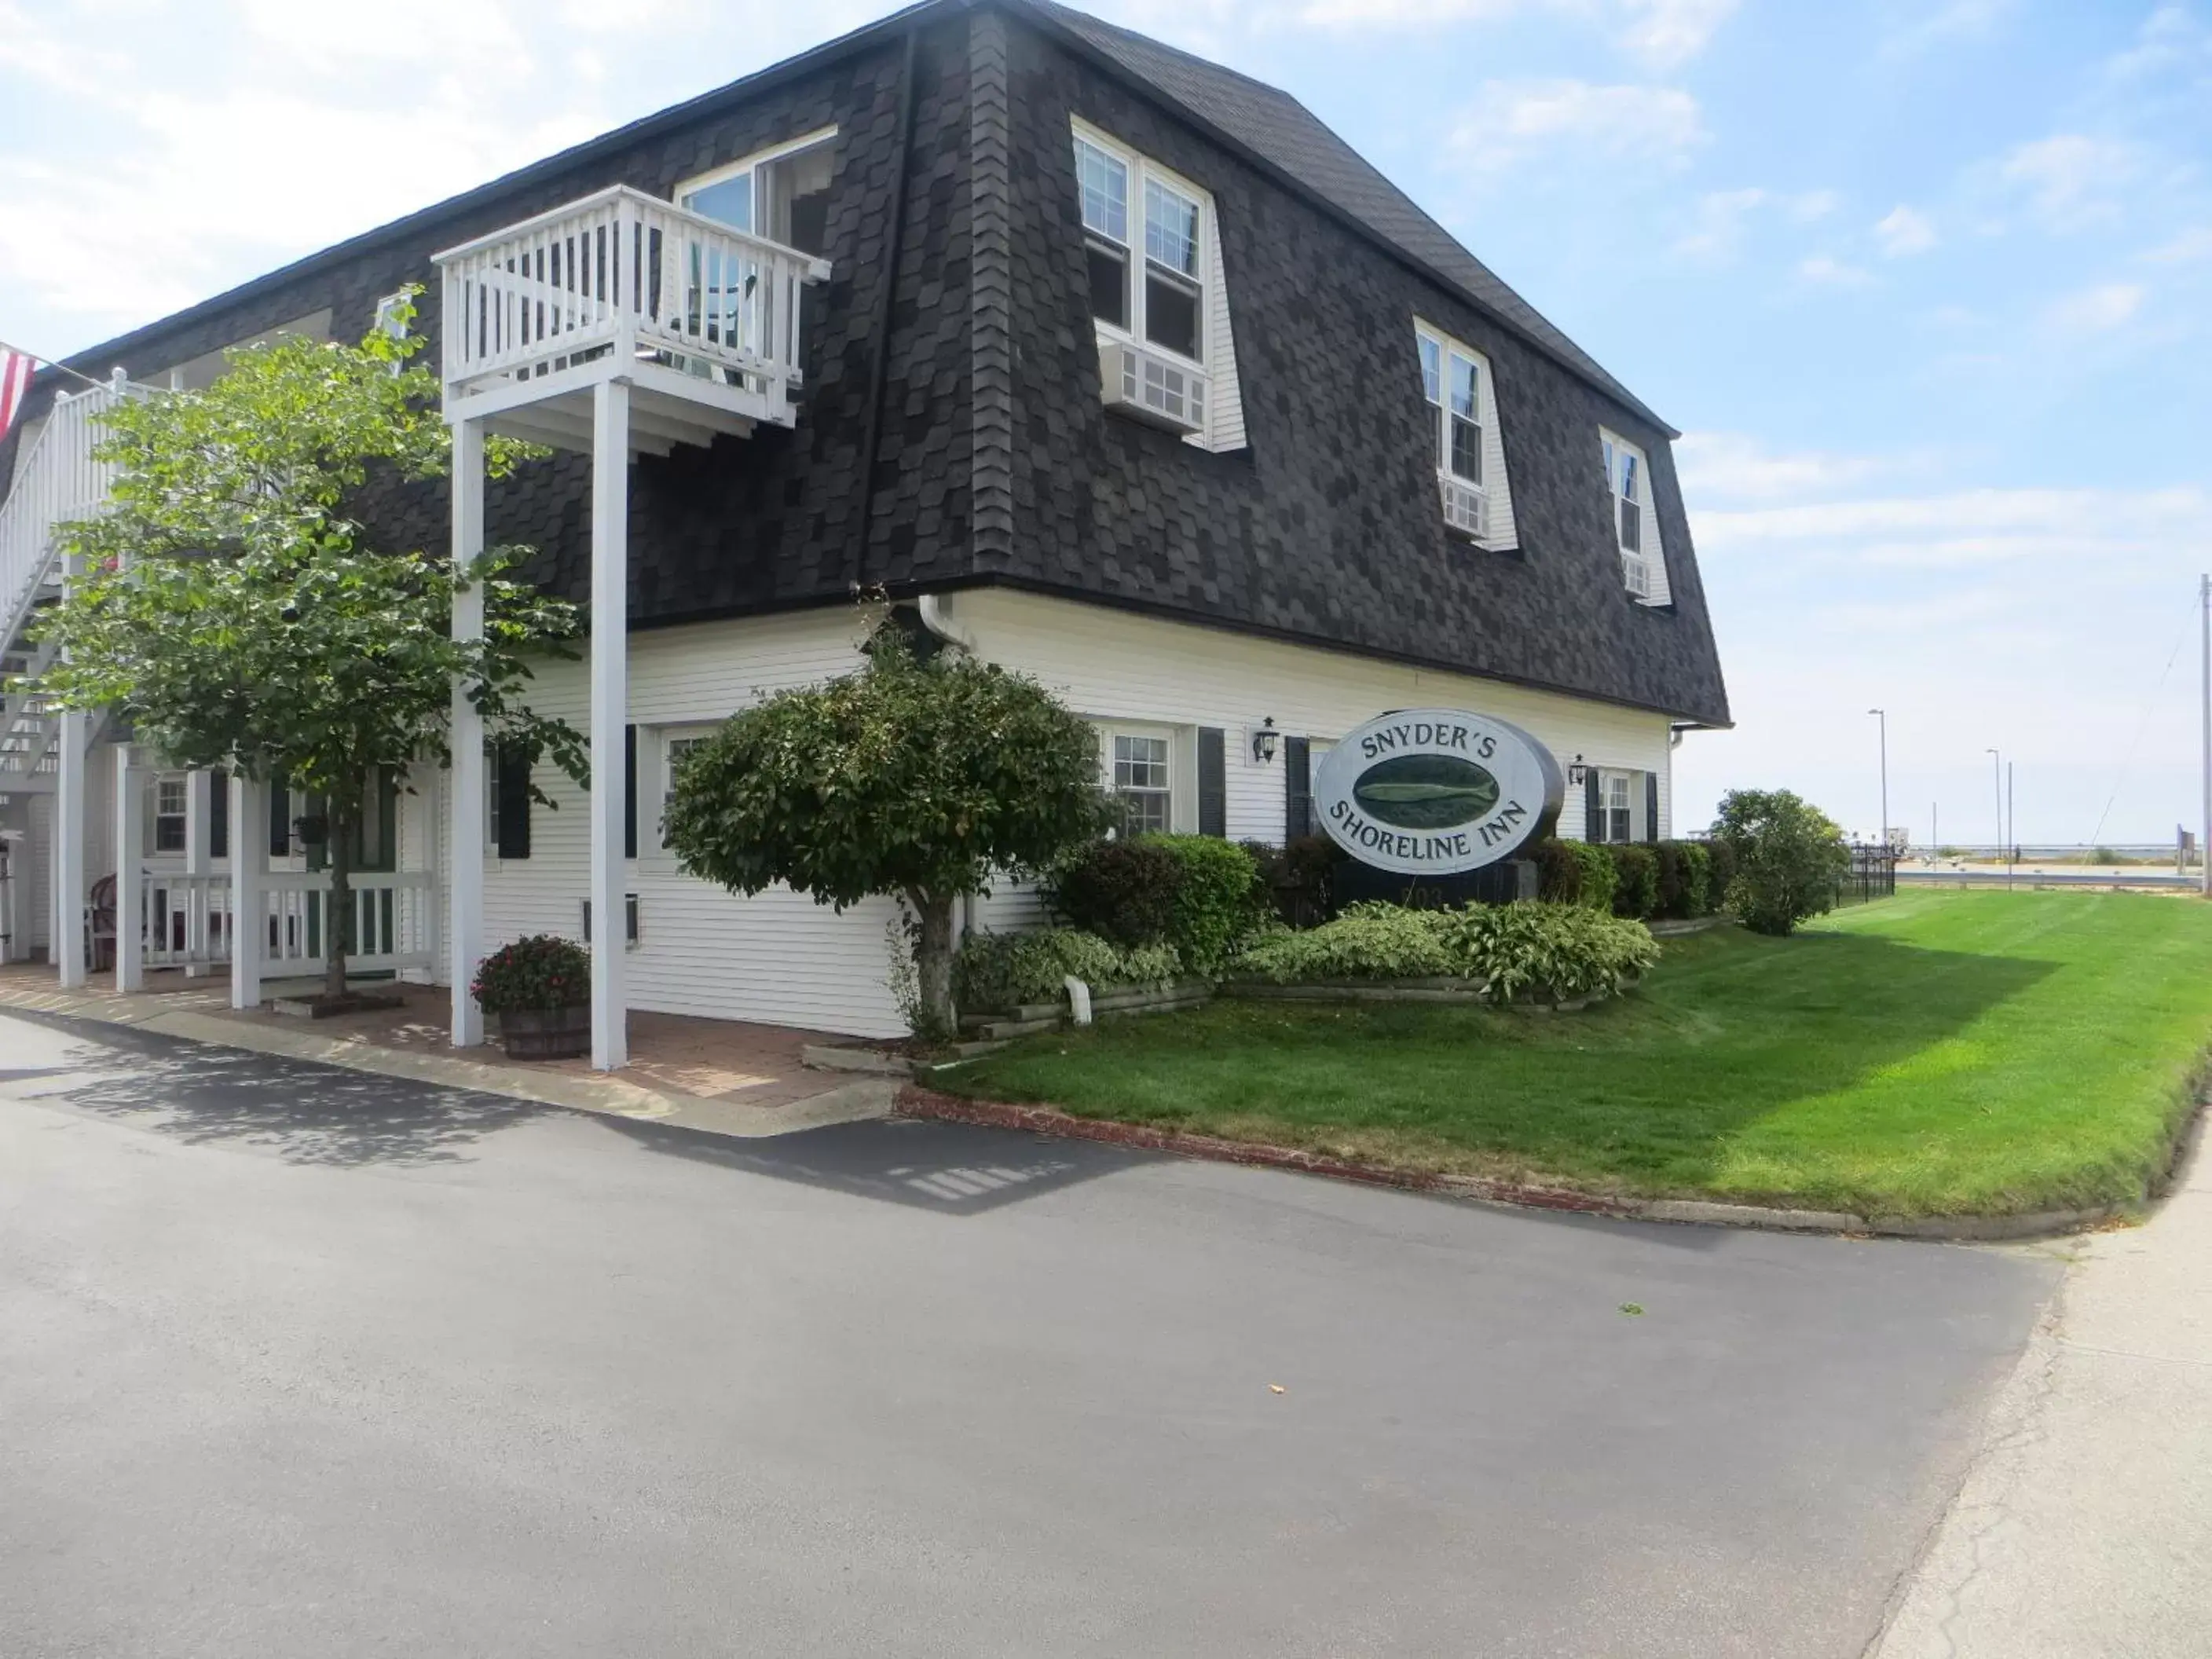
1628, 485
1153, 252
1463, 439
782, 194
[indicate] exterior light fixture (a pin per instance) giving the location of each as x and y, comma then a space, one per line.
1577, 773
1263, 741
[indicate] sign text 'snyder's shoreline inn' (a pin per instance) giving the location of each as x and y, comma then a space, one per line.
1436, 792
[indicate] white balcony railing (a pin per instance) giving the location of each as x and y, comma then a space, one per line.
623, 275
56, 480
187, 920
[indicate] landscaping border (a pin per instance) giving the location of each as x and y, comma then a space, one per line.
917, 1102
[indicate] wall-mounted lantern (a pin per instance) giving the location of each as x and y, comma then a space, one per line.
1263, 741
1577, 773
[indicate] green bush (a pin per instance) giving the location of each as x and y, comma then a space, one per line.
1122, 891
1685, 872
537, 975
1635, 881
1598, 875
1548, 949
1720, 874
1559, 872
1212, 907
1788, 857
1368, 941
993, 971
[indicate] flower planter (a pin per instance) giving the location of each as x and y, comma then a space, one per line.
546, 1033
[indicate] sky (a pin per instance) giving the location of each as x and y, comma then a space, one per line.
1926, 285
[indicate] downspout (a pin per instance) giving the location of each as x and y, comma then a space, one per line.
879, 350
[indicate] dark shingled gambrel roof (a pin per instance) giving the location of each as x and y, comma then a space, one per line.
1282, 131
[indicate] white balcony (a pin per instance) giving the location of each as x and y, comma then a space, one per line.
700, 321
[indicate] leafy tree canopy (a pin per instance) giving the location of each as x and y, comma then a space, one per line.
1789, 854
916, 780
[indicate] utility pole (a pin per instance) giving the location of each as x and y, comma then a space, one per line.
1935, 828
2204, 841
2012, 828
1883, 716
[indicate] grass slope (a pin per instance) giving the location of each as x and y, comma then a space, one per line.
1942, 1053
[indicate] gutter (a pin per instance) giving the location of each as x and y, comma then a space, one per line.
880, 330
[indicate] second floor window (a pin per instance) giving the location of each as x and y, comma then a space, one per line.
782, 194
1143, 238
1453, 383
1461, 401
1628, 484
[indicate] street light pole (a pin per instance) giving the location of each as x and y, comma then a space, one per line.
1883, 716
2012, 828
2204, 845
1996, 782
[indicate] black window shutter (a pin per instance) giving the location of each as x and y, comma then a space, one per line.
514, 787
1212, 783
1651, 806
1298, 788
1593, 807
219, 815
630, 792
280, 816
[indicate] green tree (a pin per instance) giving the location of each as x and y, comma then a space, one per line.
1788, 854
920, 780
231, 610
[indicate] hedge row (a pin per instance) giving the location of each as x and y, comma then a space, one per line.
1516, 949
997, 971
1672, 879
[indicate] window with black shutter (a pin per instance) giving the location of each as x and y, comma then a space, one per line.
219, 815
1650, 807
280, 816
511, 801
630, 792
1593, 807
1298, 788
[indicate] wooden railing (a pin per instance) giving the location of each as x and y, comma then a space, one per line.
188, 922
624, 275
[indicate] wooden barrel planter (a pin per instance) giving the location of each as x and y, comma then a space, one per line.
546, 1033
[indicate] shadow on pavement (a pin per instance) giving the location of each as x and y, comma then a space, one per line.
951, 1169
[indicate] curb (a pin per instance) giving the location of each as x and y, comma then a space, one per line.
927, 1103
851, 1101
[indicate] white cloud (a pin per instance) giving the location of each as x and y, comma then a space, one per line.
2024, 527
1663, 34
1511, 123
1667, 34
1723, 218
1933, 26
1832, 272
2187, 248
1732, 468
2071, 181
2096, 310
1904, 231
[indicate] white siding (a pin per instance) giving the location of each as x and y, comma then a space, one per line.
1499, 487
1225, 407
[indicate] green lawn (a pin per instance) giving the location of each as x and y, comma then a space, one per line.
1936, 1054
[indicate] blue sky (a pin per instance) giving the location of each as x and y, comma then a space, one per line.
1925, 284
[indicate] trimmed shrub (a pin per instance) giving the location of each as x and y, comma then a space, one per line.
1548, 949
1212, 907
1559, 872
1684, 868
1635, 881
993, 971
1789, 854
1122, 891
1368, 941
1598, 875
1720, 860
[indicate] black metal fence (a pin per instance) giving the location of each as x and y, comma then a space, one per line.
1872, 875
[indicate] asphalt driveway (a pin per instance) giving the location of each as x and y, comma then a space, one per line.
295, 1362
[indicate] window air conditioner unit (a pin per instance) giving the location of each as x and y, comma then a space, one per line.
1637, 572
1154, 388
1466, 509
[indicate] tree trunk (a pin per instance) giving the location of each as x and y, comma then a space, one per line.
338, 904
932, 965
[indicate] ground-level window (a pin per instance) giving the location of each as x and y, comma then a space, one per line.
675, 748
1616, 806
1142, 780
170, 798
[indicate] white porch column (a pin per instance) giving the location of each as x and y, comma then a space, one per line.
130, 862
465, 794
70, 830
199, 862
249, 915
610, 710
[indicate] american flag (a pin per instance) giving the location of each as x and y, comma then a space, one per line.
16, 368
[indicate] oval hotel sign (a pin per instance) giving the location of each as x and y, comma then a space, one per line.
1436, 791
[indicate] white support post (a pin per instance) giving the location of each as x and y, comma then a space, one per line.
130, 867
199, 863
71, 923
464, 795
610, 711
249, 915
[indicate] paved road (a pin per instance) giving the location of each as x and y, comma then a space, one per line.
297, 1362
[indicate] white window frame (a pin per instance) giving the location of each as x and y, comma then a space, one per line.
1183, 765
164, 782
674, 741
1142, 175
750, 165
1629, 783
1490, 449
1628, 483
